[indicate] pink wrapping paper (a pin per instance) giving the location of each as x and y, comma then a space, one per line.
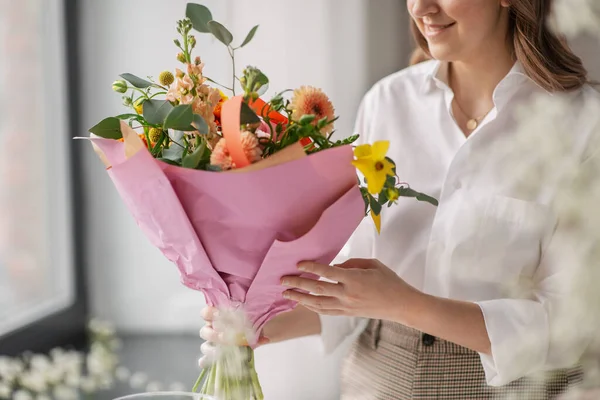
234, 235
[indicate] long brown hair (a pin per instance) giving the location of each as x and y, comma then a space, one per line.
545, 56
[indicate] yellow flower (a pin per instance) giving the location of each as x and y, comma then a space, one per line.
166, 78
377, 221
393, 194
138, 105
155, 134
308, 100
371, 161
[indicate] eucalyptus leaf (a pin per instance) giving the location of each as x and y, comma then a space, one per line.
263, 89
155, 111
193, 160
136, 81
220, 32
250, 36
168, 161
127, 116
200, 124
175, 150
179, 118
108, 128
199, 15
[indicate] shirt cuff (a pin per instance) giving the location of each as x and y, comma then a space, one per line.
335, 330
519, 334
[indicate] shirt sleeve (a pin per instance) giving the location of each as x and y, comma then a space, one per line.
335, 329
550, 330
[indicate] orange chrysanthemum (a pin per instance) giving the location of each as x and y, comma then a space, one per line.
310, 100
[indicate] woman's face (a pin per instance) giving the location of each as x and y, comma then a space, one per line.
459, 29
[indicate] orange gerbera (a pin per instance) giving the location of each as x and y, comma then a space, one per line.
308, 100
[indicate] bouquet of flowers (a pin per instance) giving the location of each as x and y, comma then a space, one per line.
236, 191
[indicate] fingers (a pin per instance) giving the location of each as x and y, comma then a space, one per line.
209, 314
210, 335
325, 271
316, 302
313, 286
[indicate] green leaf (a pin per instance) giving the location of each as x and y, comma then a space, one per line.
108, 128
220, 32
193, 160
127, 116
175, 150
375, 206
201, 124
199, 15
136, 81
168, 161
307, 119
179, 118
382, 198
250, 36
408, 192
155, 111
247, 115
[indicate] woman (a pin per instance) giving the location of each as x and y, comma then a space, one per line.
434, 293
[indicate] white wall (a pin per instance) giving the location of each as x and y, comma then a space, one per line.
350, 44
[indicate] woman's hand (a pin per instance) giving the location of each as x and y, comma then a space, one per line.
364, 288
213, 337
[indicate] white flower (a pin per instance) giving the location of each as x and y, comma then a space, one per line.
5, 390
105, 382
574, 17
62, 392
88, 384
34, 381
122, 374
73, 379
153, 387
22, 395
138, 380
40, 363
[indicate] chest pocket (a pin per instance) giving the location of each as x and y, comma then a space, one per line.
496, 241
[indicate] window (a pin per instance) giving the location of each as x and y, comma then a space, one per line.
40, 290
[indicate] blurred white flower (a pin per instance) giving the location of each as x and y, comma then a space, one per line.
72, 379
62, 392
40, 363
122, 374
34, 381
154, 387
574, 17
88, 384
105, 382
22, 395
5, 390
138, 380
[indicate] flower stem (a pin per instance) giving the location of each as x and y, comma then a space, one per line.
200, 378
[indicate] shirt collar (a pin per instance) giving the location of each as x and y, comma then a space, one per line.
437, 76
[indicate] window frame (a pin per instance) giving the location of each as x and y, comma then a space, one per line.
67, 327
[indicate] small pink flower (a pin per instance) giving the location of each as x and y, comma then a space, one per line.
251, 147
195, 69
220, 156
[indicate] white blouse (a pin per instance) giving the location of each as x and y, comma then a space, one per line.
488, 236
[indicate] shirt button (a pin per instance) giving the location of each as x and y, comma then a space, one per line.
428, 340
